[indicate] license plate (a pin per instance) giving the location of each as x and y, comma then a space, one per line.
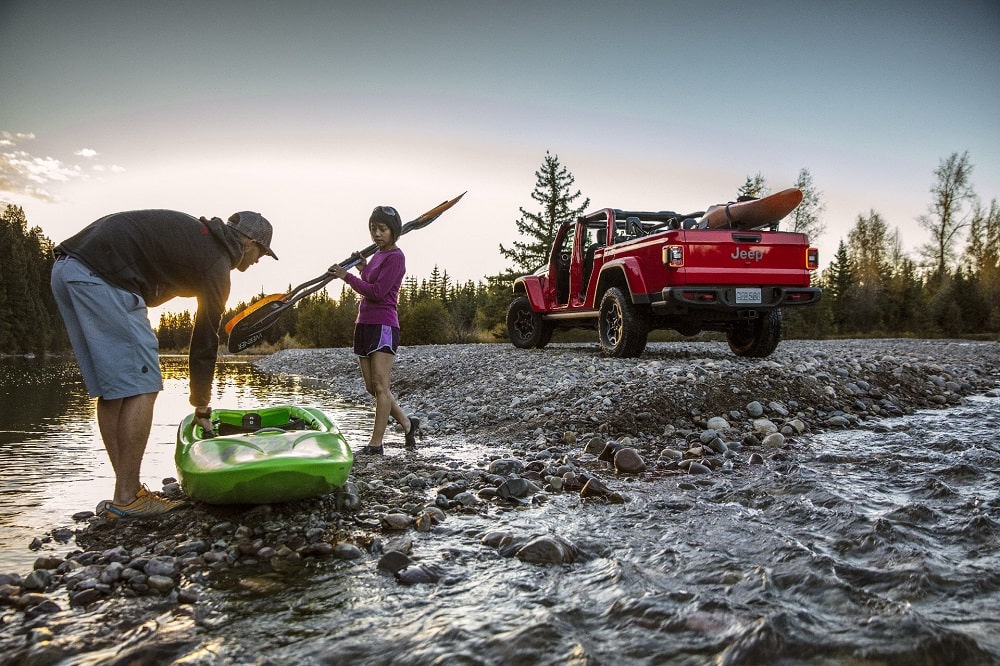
747, 295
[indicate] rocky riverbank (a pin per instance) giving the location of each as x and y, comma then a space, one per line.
559, 420
504, 396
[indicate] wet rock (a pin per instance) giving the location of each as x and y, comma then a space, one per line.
85, 597
594, 487
608, 452
37, 580
466, 499
514, 488
161, 566
421, 573
162, 584
286, 560
321, 549
838, 422
45, 607
774, 440
506, 467
451, 489
628, 461
348, 551
494, 539
548, 549
396, 521
699, 468
394, 561
48, 562
595, 445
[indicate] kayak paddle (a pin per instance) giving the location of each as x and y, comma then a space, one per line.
247, 327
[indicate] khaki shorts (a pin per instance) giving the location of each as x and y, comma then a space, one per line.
109, 329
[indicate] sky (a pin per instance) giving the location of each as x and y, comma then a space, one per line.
313, 113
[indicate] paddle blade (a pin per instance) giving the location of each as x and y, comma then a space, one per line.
249, 330
418, 223
432, 214
251, 309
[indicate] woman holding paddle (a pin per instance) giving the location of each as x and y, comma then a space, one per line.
376, 330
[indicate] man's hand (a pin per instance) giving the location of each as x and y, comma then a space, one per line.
203, 417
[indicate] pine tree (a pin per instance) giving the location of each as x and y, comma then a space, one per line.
838, 280
904, 311
27, 310
755, 187
868, 247
553, 191
806, 218
983, 257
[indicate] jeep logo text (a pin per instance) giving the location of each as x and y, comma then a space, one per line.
748, 255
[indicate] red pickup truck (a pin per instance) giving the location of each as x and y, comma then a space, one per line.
629, 272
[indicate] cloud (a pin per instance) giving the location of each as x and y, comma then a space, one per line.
22, 173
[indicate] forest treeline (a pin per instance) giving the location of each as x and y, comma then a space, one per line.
871, 287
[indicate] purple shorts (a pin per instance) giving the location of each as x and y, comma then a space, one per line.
371, 338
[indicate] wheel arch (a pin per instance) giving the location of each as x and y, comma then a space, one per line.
532, 289
626, 274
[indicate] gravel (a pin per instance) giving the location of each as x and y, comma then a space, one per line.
562, 419
497, 394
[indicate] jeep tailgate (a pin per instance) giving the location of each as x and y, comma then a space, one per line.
730, 257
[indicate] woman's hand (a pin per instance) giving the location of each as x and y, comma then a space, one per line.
339, 271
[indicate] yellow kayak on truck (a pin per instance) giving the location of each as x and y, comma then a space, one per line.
262, 456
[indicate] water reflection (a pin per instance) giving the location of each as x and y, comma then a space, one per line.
52, 460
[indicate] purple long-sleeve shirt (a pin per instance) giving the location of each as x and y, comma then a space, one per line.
378, 285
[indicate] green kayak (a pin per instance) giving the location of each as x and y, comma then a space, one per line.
260, 456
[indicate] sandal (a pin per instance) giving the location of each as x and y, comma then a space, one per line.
370, 450
411, 435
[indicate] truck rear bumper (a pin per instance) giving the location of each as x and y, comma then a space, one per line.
675, 299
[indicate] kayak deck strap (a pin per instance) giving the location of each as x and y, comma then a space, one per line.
224, 429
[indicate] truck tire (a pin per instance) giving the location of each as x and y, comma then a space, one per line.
756, 338
622, 328
526, 328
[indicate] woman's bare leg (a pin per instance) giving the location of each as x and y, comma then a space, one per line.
376, 370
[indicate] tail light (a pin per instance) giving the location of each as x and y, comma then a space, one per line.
673, 256
812, 258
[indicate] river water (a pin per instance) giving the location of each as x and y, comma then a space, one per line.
52, 460
875, 546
